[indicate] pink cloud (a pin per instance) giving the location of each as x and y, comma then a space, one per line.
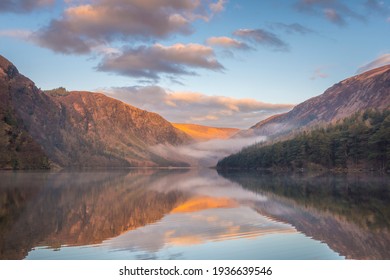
227, 42
195, 107
152, 61
83, 26
381, 60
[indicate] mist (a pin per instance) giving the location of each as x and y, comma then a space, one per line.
208, 153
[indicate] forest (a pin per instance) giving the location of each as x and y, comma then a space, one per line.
361, 141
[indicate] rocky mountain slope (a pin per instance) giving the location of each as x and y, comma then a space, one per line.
76, 129
368, 90
205, 133
18, 150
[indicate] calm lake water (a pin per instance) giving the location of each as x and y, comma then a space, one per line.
193, 214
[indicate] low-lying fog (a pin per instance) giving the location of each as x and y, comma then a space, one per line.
206, 153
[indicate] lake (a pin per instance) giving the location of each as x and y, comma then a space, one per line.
193, 214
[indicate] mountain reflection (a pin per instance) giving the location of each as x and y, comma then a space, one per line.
157, 213
54, 209
349, 213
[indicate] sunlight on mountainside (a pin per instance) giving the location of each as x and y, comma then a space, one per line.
205, 133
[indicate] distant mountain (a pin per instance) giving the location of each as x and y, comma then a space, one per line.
205, 133
347, 127
75, 129
370, 90
359, 142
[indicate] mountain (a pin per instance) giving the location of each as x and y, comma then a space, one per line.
368, 90
76, 129
359, 142
18, 150
205, 133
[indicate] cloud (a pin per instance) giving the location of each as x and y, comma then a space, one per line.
227, 42
376, 7
16, 33
203, 227
292, 28
84, 26
319, 74
152, 61
333, 16
23, 6
334, 11
218, 6
378, 62
262, 37
191, 107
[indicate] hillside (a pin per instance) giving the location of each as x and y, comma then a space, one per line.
368, 90
358, 142
18, 150
205, 133
76, 129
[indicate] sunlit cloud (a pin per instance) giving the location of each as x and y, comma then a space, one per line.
227, 42
85, 25
382, 60
23, 6
152, 61
218, 6
192, 107
262, 37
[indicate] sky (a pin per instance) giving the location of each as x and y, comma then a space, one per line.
221, 63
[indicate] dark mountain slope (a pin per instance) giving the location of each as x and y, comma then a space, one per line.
83, 129
18, 150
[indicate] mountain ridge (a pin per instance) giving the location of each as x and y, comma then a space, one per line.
82, 129
370, 89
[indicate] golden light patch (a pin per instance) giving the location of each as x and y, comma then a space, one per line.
185, 240
83, 11
203, 203
205, 133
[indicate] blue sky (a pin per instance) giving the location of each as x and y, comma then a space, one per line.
213, 62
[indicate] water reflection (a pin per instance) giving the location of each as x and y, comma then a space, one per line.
54, 209
350, 213
191, 214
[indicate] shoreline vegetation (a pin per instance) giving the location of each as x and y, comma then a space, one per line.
360, 143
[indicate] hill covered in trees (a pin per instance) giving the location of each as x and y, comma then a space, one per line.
361, 141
